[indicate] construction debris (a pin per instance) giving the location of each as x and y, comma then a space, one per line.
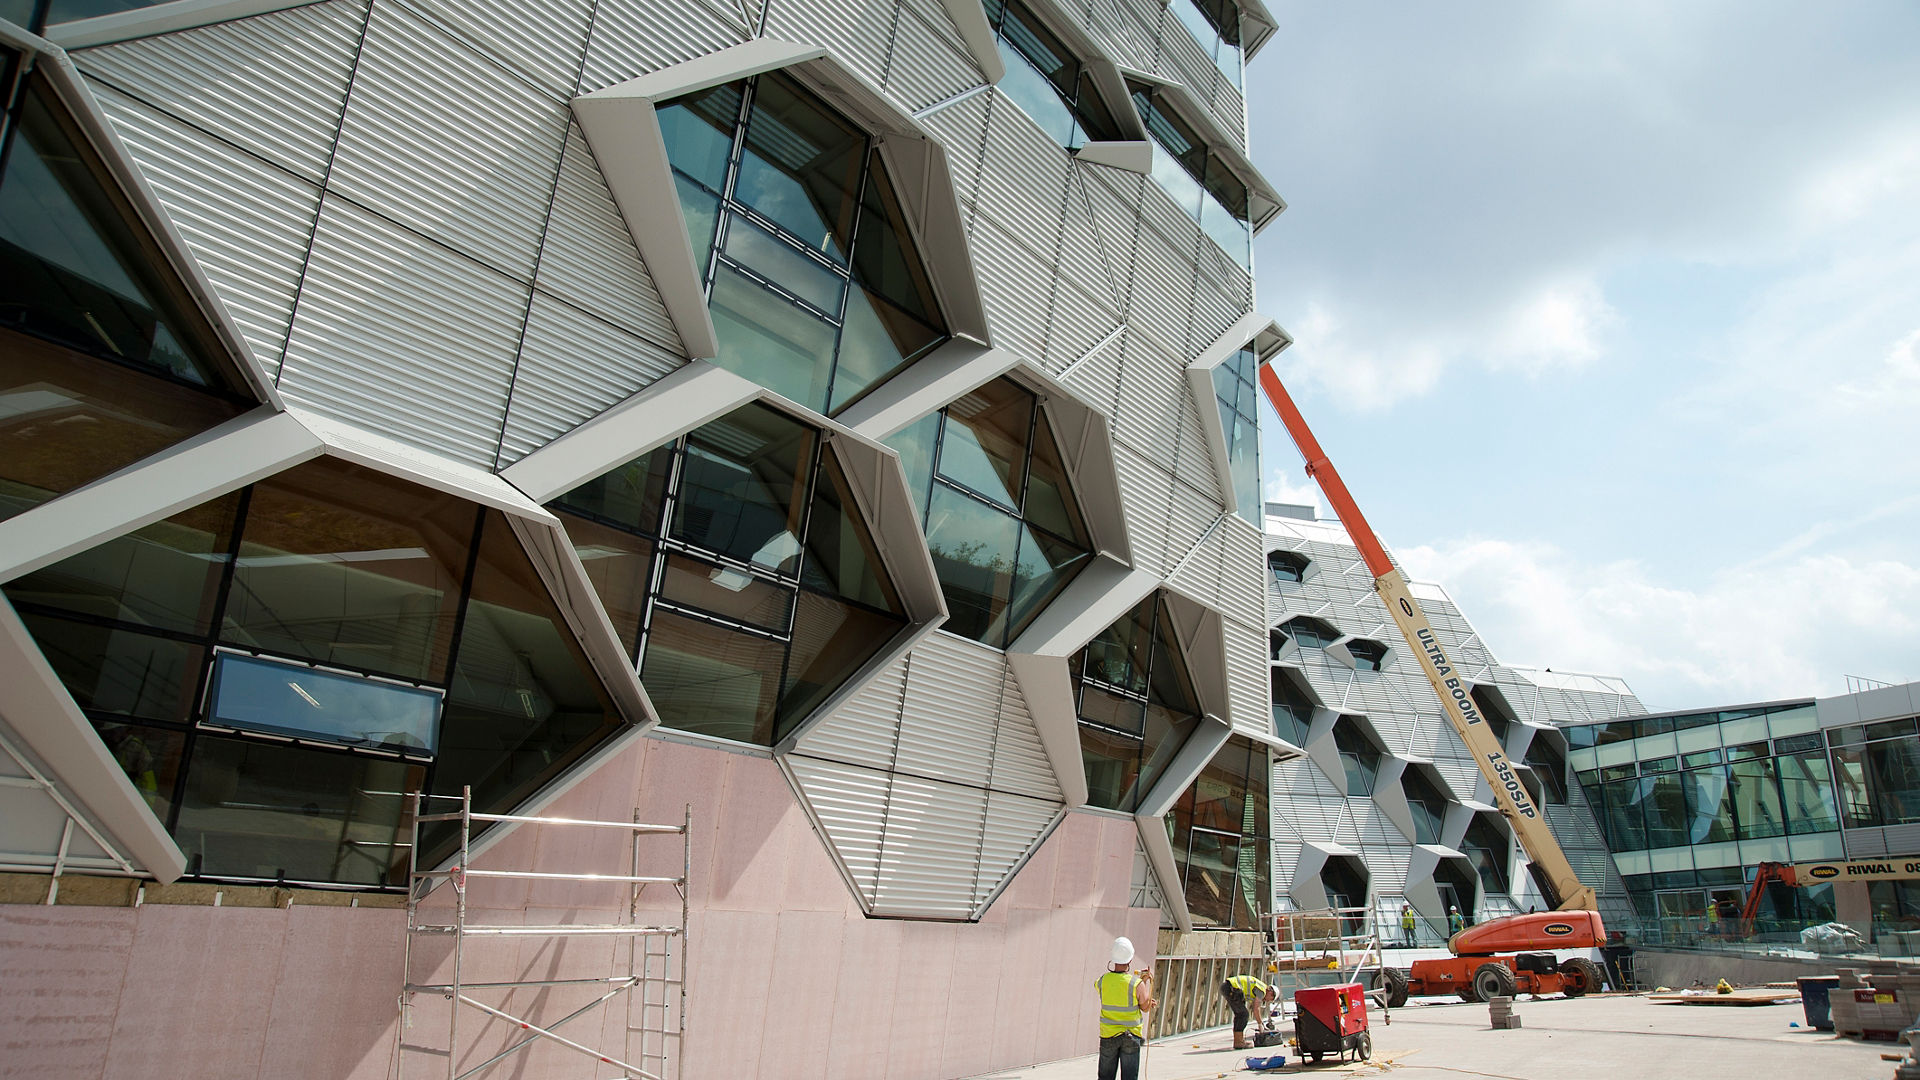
1751, 995
1500, 1009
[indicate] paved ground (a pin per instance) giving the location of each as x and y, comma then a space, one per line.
1585, 1039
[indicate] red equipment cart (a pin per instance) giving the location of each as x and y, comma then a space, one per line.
1332, 1020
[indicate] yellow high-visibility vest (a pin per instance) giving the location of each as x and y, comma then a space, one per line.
1119, 1008
1253, 988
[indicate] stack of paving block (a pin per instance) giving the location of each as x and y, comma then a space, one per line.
1876, 1006
1501, 1010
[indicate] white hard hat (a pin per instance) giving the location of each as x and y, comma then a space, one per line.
1122, 951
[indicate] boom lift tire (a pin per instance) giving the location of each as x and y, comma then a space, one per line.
1582, 976
1492, 980
1395, 982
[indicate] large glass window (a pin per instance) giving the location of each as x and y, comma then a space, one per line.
816, 285
1292, 709
279, 669
1287, 566
1876, 770
1001, 517
1137, 705
736, 567
1428, 805
1358, 756
1238, 398
1215, 25
1047, 81
104, 359
1486, 847
1221, 831
1806, 793
1309, 632
1198, 180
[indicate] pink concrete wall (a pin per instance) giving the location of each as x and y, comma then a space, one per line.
788, 978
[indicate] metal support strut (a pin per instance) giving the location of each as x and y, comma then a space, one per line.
650, 958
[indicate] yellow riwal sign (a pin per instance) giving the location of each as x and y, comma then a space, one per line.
1889, 869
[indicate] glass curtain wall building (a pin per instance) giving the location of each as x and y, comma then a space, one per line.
1137, 705
1220, 829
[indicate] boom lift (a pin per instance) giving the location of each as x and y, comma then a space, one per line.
1474, 971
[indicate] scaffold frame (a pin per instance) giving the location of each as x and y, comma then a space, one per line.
652, 987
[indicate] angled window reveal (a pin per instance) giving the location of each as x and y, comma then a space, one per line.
1215, 25
104, 359
1199, 181
1486, 847
1358, 755
1292, 708
1234, 391
1425, 801
738, 570
1137, 705
279, 668
814, 279
1493, 706
1221, 831
1550, 765
1049, 83
1368, 655
1287, 567
1308, 632
1001, 517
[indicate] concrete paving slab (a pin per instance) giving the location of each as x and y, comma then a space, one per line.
1623, 1035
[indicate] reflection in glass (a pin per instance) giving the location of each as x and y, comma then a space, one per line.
973, 547
777, 261
150, 757
730, 594
706, 678
76, 265
68, 419
1806, 793
1357, 756
698, 132
342, 565
256, 694
743, 487
832, 640
1292, 709
274, 812
1213, 863
1428, 806
984, 448
1046, 80
915, 443
769, 341
841, 556
1197, 180
1234, 393
164, 576
119, 672
801, 165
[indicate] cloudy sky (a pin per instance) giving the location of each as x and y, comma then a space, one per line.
1609, 313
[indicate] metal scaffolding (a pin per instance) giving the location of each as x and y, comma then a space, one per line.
653, 985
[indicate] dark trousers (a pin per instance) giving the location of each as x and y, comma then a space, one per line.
1120, 1053
1236, 1001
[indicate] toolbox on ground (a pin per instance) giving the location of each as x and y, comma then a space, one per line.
1332, 1020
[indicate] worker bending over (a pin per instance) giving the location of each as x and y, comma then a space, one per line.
1125, 999
1241, 992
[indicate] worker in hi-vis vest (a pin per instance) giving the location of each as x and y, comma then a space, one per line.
1244, 993
1125, 998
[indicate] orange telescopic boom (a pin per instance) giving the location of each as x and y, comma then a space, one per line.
1529, 823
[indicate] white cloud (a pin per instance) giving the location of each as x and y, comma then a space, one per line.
1777, 629
1291, 485
1557, 327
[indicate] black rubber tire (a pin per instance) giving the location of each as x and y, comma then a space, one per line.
1366, 1046
1395, 982
1493, 979
1467, 993
1582, 976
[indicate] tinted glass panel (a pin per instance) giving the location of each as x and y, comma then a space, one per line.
1213, 863
915, 443
1806, 793
973, 548
151, 759
165, 576
831, 640
984, 446
769, 341
1112, 763
524, 703
118, 672
743, 487
1037, 96
268, 811
628, 497
698, 130
801, 167
1167, 731
876, 340
712, 680
733, 595
841, 555
1050, 501
887, 263
68, 419
346, 566
289, 699
1046, 566
779, 262
701, 211
75, 265
620, 566
1123, 712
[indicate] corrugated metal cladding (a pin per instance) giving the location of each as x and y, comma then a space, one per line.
946, 735
1182, 61
860, 32
573, 366
401, 336
1144, 498
633, 37
445, 141
246, 222
1403, 710
928, 62
544, 42
1129, 28
273, 84
589, 258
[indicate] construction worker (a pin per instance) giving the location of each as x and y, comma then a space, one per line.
1125, 999
1455, 921
1406, 925
1240, 992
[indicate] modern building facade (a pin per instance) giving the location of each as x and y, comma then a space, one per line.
1694, 802
1385, 807
829, 418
